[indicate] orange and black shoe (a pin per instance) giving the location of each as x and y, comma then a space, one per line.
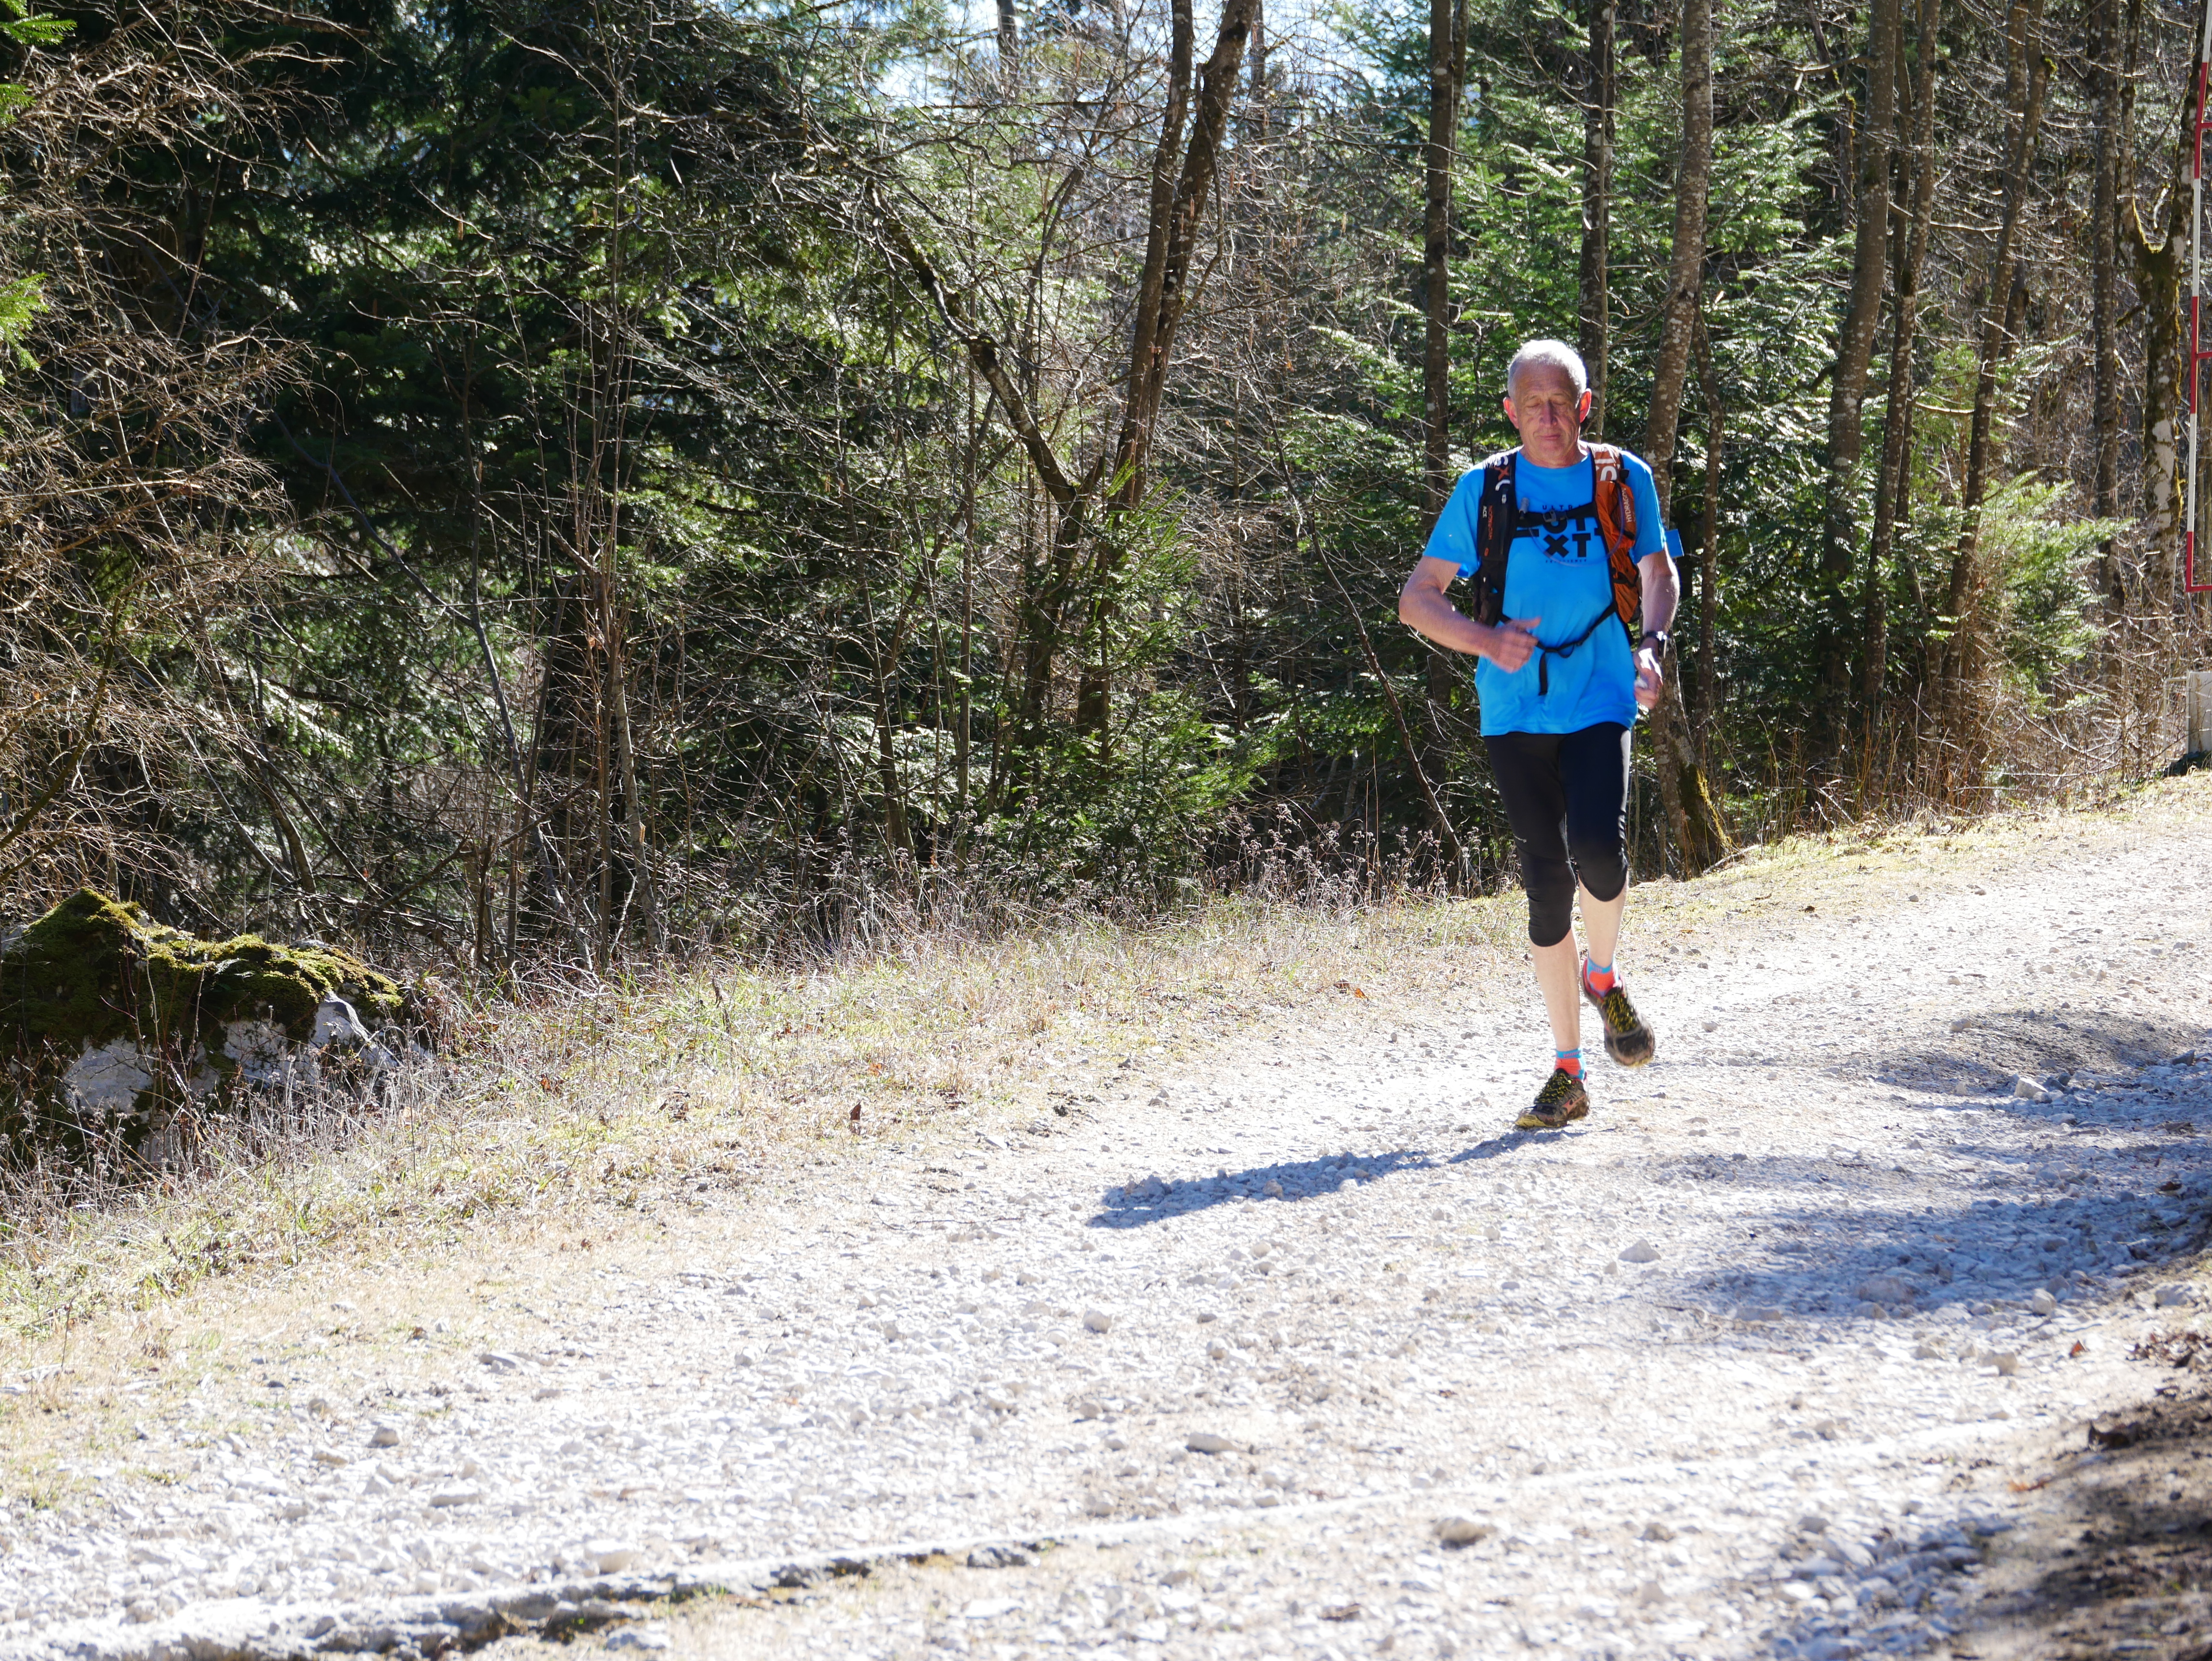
1627, 1040
1562, 1098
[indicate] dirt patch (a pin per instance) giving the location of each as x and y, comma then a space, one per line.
2120, 1562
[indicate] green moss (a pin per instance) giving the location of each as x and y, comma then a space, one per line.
93, 969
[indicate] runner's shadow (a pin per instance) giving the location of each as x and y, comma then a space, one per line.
1496, 1147
1142, 1203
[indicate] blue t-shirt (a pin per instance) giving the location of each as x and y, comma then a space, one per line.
1559, 577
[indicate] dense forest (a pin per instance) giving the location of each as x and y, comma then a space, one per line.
501, 481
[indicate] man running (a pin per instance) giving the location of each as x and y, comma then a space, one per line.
1564, 539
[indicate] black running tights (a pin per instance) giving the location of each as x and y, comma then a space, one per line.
1566, 797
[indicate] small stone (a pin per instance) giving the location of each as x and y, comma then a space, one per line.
1273, 1189
385, 1435
499, 1361
2029, 1090
2040, 1302
1642, 1252
1457, 1530
610, 1556
333, 1457
2170, 1297
2008, 1363
999, 1557
460, 1493
1813, 1523
1657, 1531
653, 1636
989, 1609
1207, 1441
1097, 1320
1206, 1317
1087, 1407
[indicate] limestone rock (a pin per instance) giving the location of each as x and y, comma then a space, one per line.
118, 1028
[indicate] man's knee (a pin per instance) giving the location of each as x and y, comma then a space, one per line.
1603, 867
1551, 885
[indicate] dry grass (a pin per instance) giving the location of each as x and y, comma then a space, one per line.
601, 1105
631, 1126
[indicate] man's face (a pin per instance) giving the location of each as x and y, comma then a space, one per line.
1546, 411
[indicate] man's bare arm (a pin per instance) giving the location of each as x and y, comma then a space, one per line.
1663, 591
1424, 606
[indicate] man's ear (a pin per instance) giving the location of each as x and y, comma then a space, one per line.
1506, 402
1582, 408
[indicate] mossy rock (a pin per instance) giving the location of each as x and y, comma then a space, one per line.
95, 974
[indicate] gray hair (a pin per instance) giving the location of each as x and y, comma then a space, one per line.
1553, 353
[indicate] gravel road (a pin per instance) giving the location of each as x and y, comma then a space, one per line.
1298, 1350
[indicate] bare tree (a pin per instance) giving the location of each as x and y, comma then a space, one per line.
1594, 263
2026, 77
1911, 258
1699, 833
1854, 353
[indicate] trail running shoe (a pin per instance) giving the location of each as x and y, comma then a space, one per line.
1627, 1040
1562, 1098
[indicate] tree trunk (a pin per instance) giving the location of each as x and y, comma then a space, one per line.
2104, 82
1708, 552
1594, 271
1685, 272
1854, 353
1162, 287
1162, 290
1698, 834
2160, 262
1447, 70
1010, 40
1447, 74
1891, 486
2026, 76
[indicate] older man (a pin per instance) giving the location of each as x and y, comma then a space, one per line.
1573, 592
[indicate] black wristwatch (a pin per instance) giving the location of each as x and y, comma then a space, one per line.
1658, 639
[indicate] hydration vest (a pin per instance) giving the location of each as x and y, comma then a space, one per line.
1499, 518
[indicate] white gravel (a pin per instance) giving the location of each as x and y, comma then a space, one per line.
1709, 1376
